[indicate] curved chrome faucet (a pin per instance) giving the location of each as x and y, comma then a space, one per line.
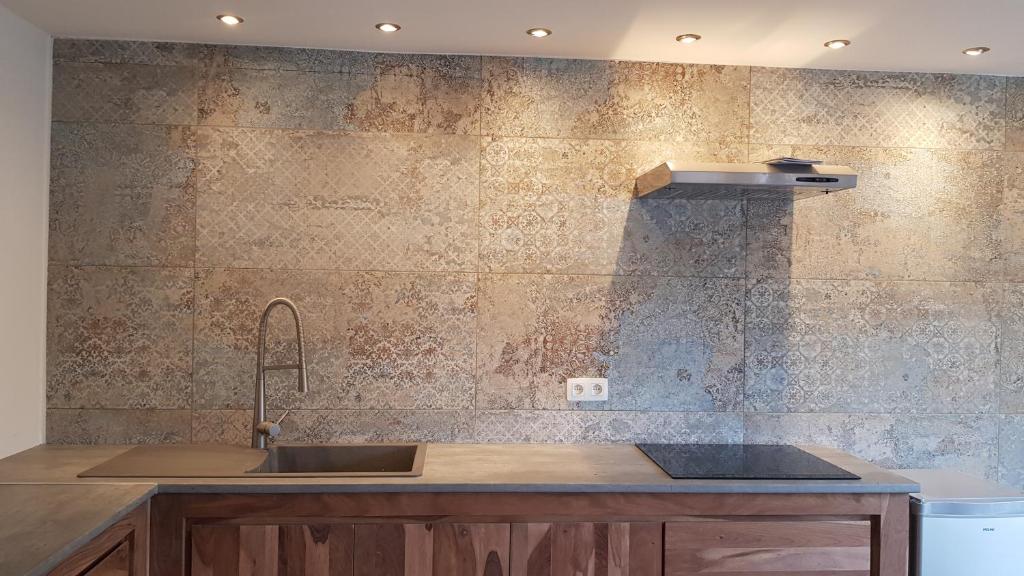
261, 427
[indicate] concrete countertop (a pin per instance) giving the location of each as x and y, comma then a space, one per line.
42, 524
472, 468
46, 511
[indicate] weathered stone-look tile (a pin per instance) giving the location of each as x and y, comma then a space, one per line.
373, 340
122, 195
125, 93
886, 109
86, 51
330, 426
1011, 451
429, 102
665, 344
1015, 114
600, 99
595, 427
288, 199
856, 346
566, 206
222, 427
345, 62
117, 426
1011, 345
119, 337
915, 215
961, 442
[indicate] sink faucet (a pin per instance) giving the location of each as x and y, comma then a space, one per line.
261, 427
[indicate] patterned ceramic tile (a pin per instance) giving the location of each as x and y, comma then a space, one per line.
122, 195
630, 100
222, 427
564, 426
1011, 451
117, 426
566, 206
119, 337
128, 52
345, 62
428, 102
915, 214
664, 344
285, 199
1010, 211
373, 340
330, 426
1015, 114
966, 443
125, 93
1011, 345
845, 108
855, 346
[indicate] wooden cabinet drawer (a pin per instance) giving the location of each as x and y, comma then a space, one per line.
768, 548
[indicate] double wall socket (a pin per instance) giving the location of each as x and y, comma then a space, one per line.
586, 389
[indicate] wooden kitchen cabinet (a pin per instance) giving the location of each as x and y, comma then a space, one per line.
363, 549
120, 550
768, 548
586, 549
508, 534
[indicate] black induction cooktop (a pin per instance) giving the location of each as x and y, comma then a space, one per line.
742, 462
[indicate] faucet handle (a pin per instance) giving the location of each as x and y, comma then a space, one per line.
272, 429
283, 416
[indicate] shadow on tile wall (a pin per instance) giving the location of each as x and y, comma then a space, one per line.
461, 235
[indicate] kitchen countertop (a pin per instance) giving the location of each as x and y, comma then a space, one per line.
471, 468
46, 511
42, 524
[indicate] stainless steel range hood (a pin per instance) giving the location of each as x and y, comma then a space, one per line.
699, 181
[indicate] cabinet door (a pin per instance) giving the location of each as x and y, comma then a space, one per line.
117, 563
286, 550
768, 548
431, 549
383, 549
587, 549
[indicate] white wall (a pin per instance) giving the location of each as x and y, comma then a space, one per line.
24, 175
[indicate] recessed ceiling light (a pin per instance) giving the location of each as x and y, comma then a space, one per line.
388, 27
977, 50
230, 20
687, 38
837, 44
539, 32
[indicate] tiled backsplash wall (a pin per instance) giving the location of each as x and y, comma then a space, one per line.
460, 236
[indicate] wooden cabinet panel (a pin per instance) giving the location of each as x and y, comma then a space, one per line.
286, 550
587, 549
768, 548
117, 563
386, 549
471, 549
120, 550
393, 550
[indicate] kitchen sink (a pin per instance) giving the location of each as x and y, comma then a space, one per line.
342, 460
282, 461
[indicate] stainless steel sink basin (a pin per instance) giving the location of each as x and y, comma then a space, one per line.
213, 461
342, 460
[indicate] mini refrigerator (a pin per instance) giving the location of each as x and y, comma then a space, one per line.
964, 526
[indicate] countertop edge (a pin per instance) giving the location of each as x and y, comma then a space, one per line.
76, 543
188, 488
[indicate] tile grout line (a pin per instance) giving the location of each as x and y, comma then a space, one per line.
476, 287
556, 274
600, 138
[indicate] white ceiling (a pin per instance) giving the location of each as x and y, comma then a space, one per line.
909, 35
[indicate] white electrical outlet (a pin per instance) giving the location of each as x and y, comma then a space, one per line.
586, 389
